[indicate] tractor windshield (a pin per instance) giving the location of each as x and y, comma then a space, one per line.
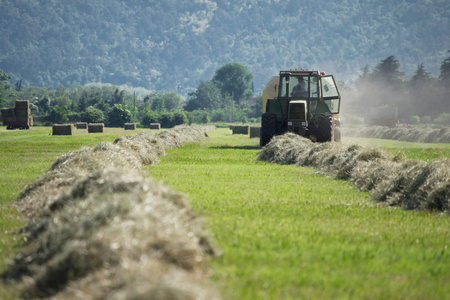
300, 86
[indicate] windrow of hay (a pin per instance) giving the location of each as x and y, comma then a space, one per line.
413, 135
240, 129
98, 229
394, 180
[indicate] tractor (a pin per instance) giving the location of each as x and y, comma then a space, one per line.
303, 102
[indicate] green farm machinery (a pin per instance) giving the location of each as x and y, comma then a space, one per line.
304, 102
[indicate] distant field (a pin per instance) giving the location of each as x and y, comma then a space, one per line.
286, 232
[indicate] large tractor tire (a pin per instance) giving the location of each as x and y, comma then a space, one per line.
268, 128
324, 128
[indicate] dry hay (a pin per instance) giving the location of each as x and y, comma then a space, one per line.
155, 126
82, 125
62, 129
413, 135
240, 129
95, 127
130, 126
99, 230
22, 105
394, 180
255, 131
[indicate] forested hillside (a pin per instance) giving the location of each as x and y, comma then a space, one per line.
169, 44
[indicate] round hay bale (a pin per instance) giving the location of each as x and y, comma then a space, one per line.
62, 129
155, 126
95, 127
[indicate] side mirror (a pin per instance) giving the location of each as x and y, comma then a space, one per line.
326, 88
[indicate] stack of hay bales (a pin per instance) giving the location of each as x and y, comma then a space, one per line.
155, 126
393, 180
62, 129
23, 112
95, 127
82, 125
8, 115
130, 126
240, 129
255, 131
99, 228
18, 117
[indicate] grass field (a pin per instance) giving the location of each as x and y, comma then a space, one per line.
286, 232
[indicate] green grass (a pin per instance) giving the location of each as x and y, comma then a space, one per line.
286, 232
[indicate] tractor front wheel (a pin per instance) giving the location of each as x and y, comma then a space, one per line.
268, 128
324, 128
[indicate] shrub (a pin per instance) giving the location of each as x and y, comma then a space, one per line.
118, 116
414, 120
443, 119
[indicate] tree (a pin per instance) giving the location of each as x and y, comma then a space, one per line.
207, 96
165, 102
4, 87
92, 115
445, 69
233, 80
57, 115
118, 96
421, 76
118, 116
388, 71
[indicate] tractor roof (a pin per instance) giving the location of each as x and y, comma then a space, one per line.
301, 72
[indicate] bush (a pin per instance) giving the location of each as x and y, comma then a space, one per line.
92, 115
118, 116
414, 120
443, 119
150, 117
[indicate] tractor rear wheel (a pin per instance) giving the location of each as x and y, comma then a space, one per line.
325, 127
268, 128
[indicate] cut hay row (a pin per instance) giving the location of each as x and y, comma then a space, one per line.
240, 129
413, 135
98, 229
392, 180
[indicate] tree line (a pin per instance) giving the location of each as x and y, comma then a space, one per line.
419, 98
221, 99
228, 97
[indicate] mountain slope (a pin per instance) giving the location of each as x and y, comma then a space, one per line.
161, 44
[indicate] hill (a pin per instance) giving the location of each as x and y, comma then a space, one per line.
167, 44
